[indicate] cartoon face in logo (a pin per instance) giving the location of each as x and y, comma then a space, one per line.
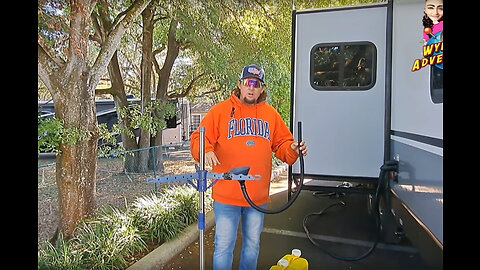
432, 20
434, 10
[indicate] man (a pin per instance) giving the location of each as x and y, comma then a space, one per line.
243, 132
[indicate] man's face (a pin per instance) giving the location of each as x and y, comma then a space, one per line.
250, 90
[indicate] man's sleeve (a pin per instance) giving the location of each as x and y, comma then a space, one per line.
281, 142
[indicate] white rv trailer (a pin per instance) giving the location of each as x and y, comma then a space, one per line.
363, 97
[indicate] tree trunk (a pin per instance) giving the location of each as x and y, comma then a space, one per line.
146, 84
72, 85
156, 157
76, 164
120, 99
173, 48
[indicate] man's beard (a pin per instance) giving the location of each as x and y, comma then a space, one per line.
251, 102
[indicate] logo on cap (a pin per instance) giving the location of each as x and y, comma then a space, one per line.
254, 71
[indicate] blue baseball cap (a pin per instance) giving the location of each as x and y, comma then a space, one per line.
253, 71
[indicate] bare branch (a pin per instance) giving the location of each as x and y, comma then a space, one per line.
208, 92
189, 88
159, 19
44, 68
154, 59
77, 41
49, 52
113, 40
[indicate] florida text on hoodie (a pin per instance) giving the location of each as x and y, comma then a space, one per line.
244, 136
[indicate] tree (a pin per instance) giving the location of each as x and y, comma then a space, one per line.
102, 21
71, 81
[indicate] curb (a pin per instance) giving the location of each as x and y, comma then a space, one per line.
164, 253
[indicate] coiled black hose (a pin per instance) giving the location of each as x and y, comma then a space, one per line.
295, 195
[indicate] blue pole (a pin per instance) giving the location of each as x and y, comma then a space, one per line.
202, 184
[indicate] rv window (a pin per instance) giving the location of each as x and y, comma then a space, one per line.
343, 66
436, 84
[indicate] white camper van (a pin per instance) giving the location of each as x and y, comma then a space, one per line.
368, 88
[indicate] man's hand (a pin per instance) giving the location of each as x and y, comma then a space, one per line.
303, 147
211, 159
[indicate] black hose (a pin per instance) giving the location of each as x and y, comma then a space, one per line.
382, 179
295, 195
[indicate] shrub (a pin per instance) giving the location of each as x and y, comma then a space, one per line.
164, 216
61, 256
110, 239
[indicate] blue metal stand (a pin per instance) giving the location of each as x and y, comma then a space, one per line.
239, 174
201, 186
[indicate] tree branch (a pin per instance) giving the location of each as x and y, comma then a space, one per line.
189, 88
113, 40
44, 67
49, 53
208, 92
159, 19
154, 59
77, 41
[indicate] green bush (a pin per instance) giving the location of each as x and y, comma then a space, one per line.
59, 256
107, 241
165, 216
110, 239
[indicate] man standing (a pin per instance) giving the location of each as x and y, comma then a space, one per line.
243, 132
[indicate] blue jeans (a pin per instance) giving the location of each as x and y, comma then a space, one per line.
227, 218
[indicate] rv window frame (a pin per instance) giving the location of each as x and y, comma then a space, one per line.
436, 94
345, 88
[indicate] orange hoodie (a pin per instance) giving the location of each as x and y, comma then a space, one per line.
244, 136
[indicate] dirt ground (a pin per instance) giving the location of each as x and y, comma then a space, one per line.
114, 187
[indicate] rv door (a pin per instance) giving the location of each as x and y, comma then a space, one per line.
339, 89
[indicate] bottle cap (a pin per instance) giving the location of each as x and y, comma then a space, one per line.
297, 252
283, 262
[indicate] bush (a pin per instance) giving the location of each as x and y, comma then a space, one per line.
165, 216
109, 240
61, 256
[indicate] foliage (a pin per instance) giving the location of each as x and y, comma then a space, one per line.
165, 216
142, 118
108, 146
53, 25
52, 133
113, 237
60, 256
107, 241
217, 39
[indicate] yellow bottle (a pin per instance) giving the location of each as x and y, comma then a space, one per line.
291, 262
281, 265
